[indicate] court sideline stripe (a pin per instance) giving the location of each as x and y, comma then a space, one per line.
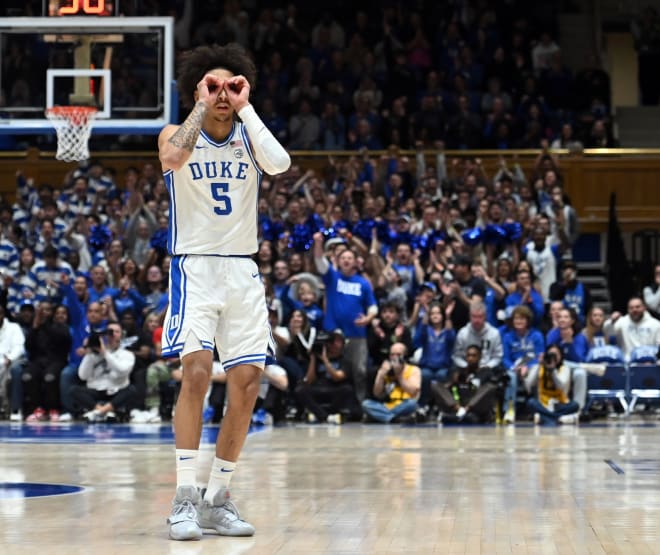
614, 466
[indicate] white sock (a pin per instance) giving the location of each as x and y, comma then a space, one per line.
186, 467
221, 473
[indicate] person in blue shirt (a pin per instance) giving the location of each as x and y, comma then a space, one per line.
522, 346
574, 347
526, 295
435, 336
99, 289
350, 307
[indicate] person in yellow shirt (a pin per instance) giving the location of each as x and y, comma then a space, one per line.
396, 388
553, 380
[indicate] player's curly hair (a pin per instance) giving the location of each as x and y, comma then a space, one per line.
194, 64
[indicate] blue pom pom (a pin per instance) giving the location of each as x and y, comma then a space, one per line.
315, 223
472, 236
271, 230
513, 230
159, 240
301, 238
494, 234
99, 237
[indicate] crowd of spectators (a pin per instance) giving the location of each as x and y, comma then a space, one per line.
387, 280
368, 74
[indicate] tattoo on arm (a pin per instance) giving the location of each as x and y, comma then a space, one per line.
186, 135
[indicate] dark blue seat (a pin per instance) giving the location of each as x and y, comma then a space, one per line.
612, 384
644, 382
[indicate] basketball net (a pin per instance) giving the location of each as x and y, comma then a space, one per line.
73, 125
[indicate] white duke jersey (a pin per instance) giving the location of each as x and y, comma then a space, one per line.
213, 198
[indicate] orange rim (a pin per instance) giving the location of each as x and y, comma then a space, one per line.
77, 115
69, 111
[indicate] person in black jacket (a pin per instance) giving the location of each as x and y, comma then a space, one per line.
47, 346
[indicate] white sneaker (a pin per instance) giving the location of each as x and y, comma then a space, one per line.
334, 419
510, 415
222, 516
460, 413
66, 417
183, 520
568, 418
92, 416
16, 416
140, 416
537, 419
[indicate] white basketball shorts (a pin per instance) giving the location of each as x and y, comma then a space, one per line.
221, 300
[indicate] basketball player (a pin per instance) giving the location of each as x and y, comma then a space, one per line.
212, 164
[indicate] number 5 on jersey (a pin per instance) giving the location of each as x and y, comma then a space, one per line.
225, 202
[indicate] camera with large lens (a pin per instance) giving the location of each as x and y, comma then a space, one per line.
94, 340
550, 360
322, 339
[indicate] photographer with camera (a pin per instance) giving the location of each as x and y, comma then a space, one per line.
396, 388
553, 381
464, 398
106, 369
326, 386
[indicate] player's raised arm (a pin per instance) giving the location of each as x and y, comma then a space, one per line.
269, 153
176, 142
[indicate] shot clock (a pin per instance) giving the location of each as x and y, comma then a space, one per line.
99, 8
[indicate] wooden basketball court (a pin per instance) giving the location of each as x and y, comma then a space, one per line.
591, 489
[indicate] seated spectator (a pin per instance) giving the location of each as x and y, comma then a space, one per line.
571, 291
326, 391
593, 329
652, 293
294, 344
634, 329
139, 341
544, 259
105, 369
47, 346
386, 329
465, 288
396, 388
304, 128
553, 381
20, 282
406, 263
270, 407
49, 273
479, 332
525, 295
522, 346
127, 299
100, 290
155, 291
574, 350
12, 349
435, 336
465, 397
304, 294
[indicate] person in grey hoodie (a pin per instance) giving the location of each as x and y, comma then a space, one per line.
479, 332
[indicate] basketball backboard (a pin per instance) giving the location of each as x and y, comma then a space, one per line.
121, 65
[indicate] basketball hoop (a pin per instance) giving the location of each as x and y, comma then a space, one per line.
73, 125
